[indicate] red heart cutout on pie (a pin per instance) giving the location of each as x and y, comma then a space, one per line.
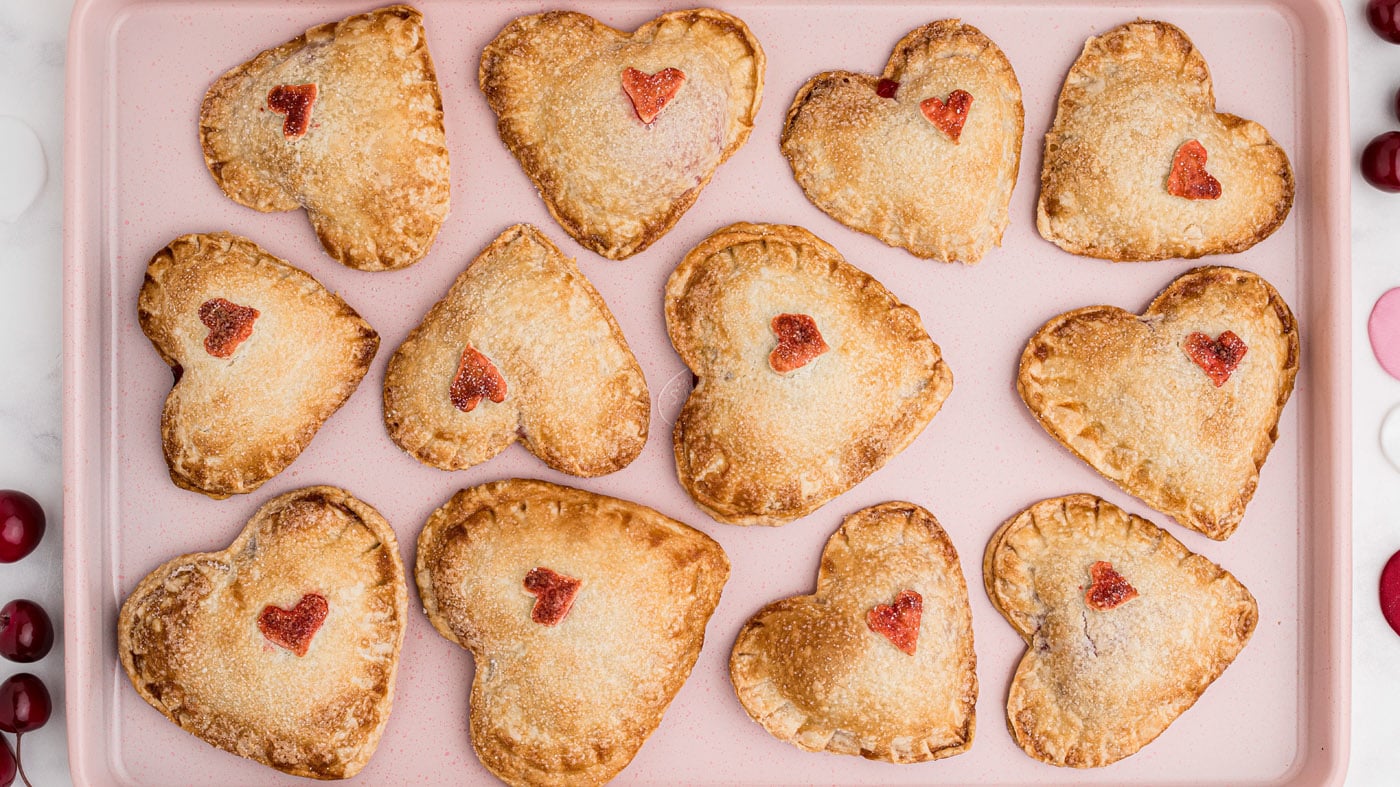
899, 622
949, 116
476, 377
1218, 357
1188, 177
799, 341
651, 92
293, 628
554, 593
229, 325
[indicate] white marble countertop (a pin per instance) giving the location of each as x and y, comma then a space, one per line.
32, 48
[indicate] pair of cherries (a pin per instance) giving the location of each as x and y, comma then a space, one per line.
26, 635
1380, 161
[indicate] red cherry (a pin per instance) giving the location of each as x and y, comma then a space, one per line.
24, 703
1380, 161
21, 525
7, 763
26, 633
1384, 16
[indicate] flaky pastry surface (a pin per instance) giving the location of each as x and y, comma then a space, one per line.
189, 640
575, 394
879, 166
814, 674
571, 703
1121, 392
1096, 685
614, 183
1135, 95
372, 169
754, 446
229, 424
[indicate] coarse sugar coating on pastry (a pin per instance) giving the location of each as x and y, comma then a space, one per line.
811, 375
522, 347
584, 615
620, 132
282, 648
1124, 628
1180, 405
878, 662
262, 355
1138, 164
346, 122
923, 156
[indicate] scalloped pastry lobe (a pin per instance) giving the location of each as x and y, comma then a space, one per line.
757, 446
879, 166
1124, 393
614, 182
571, 700
190, 641
812, 671
371, 168
1096, 685
239, 413
573, 391
1135, 96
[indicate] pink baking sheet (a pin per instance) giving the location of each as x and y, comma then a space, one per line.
136, 179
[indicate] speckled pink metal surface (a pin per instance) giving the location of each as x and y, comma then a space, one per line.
136, 179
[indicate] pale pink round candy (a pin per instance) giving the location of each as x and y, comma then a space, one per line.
1384, 328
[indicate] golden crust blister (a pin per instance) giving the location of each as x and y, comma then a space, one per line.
813, 673
1096, 685
754, 446
1121, 392
189, 640
229, 424
575, 397
372, 169
614, 183
571, 703
879, 166
1135, 95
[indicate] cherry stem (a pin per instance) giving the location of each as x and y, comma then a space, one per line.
19, 741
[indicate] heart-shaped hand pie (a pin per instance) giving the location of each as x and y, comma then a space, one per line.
620, 132
262, 355
584, 615
923, 157
346, 122
879, 661
521, 348
774, 429
1138, 164
1180, 406
1107, 670
284, 647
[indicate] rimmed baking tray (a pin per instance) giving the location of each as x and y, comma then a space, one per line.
135, 179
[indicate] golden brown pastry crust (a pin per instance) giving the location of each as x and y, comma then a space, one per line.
1120, 392
754, 446
813, 673
188, 636
568, 704
879, 166
612, 182
229, 424
372, 170
1134, 96
575, 394
1094, 686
